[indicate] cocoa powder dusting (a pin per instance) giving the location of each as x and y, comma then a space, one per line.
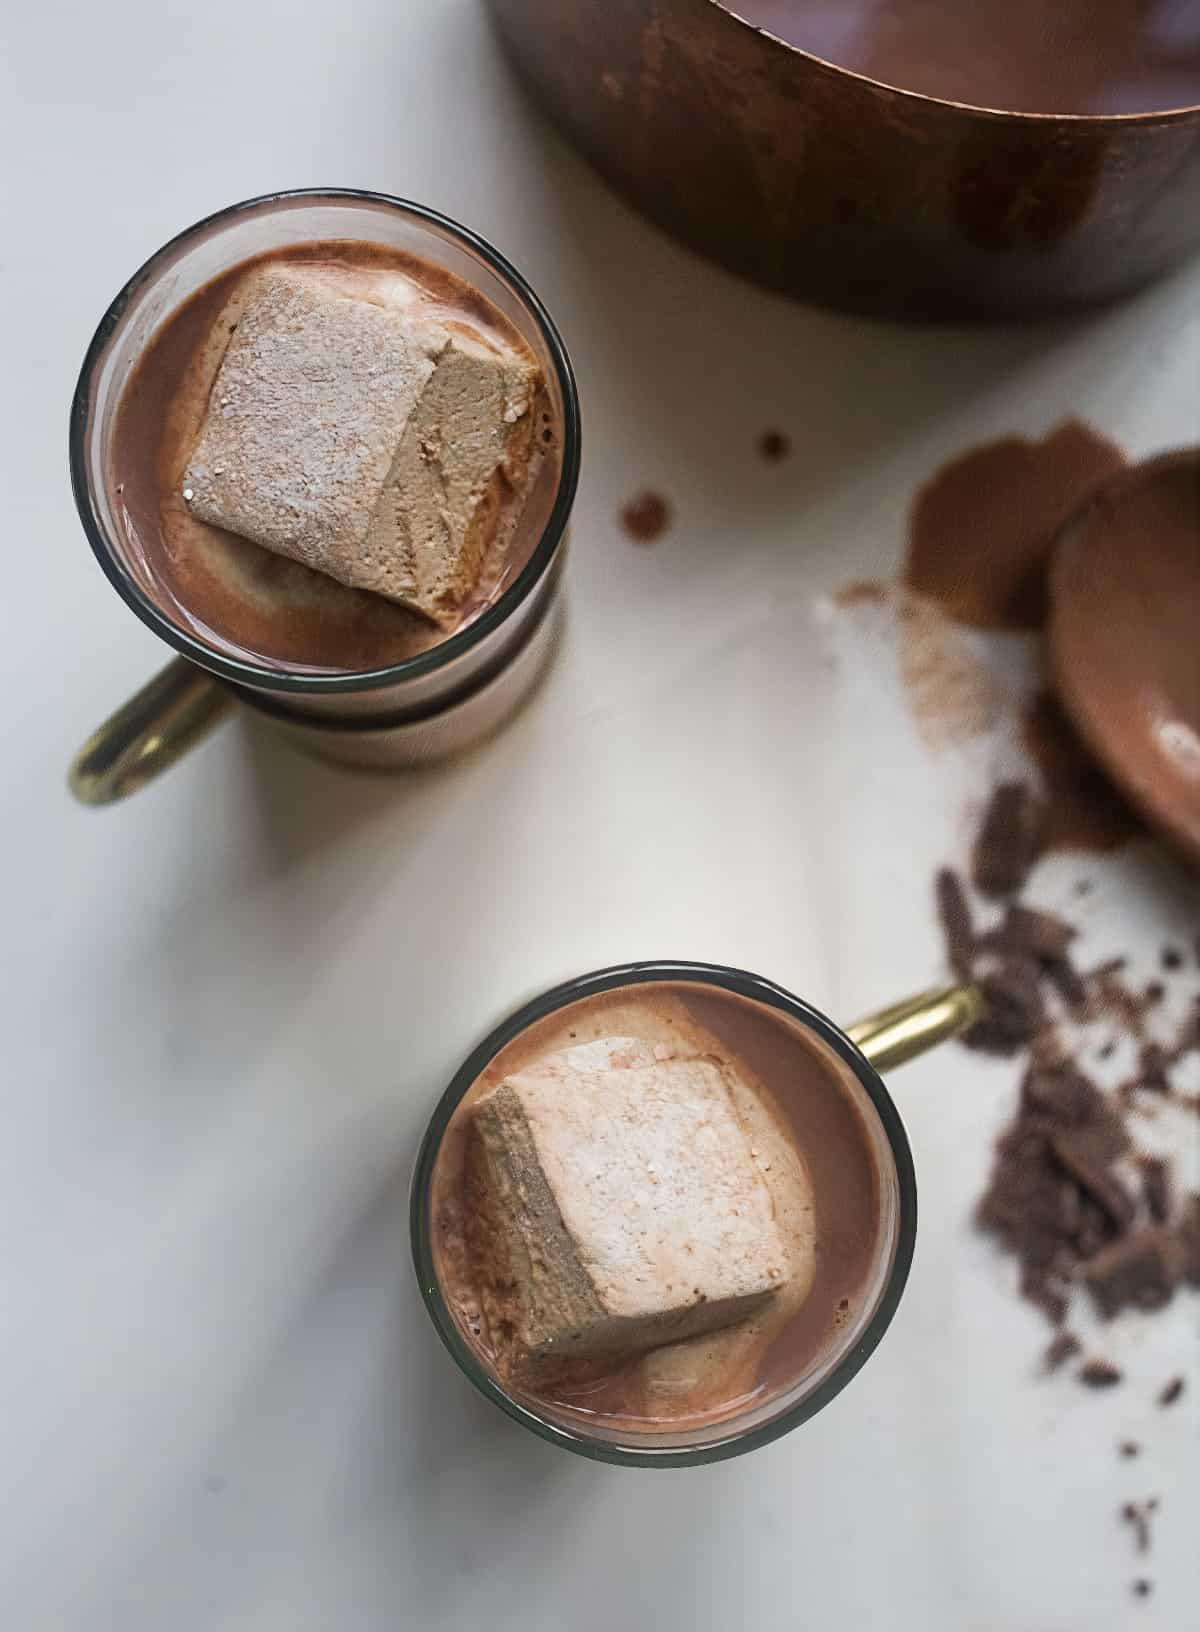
981, 529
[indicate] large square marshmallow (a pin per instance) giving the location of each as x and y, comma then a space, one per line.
619, 1208
362, 438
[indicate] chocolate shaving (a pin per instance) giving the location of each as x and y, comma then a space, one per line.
1085, 1159
1135, 1272
1137, 1516
1156, 1187
1171, 1392
1059, 1350
1041, 935
955, 915
1069, 984
1152, 1070
1187, 1239
1099, 1374
1013, 1011
1007, 845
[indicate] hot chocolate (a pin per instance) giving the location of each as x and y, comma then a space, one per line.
711, 1153
175, 458
1026, 56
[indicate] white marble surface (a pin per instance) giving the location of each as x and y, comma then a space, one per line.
229, 1005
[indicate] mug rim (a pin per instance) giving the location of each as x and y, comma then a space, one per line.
257, 676
744, 984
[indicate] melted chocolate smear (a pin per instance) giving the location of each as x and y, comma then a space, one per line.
981, 529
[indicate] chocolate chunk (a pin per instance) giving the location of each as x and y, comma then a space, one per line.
955, 915
1041, 935
1038, 1288
1099, 1374
1156, 1187
1129, 1448
1134, 1272
1062, 1348
1187, 1240
1152, 1070
1013, 1011
1172, 958
1171, 1392
1083, 1156
1063, 1095
1007, 844
1069, 984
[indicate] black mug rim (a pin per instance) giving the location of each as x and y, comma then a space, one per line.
744, 984
257, 676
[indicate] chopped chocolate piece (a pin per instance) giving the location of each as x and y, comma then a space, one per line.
1038, 1290
1156, 1187
1063, 1095
1062, 1348
1083, 1157
1187, 1039
1134, 1272
955, 915
1129, 1448
1187, 1239
1041, 935
1152, 1069
1013, 1011
1172, 957
1137, 1516
1007, 844
1142, 1588
1099, 1374
1171, 1392
1069, 984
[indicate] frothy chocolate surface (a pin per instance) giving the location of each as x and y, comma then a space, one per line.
235, 596
800, 1110
1027, 56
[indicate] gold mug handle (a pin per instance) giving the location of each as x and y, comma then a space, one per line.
157, 726
909, 1028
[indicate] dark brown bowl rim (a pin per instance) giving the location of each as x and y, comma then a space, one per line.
1145, 117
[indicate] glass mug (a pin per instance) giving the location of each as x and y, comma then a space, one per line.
879, 1042
429, 705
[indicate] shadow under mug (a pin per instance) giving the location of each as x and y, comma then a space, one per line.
886, 1039
436, 703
